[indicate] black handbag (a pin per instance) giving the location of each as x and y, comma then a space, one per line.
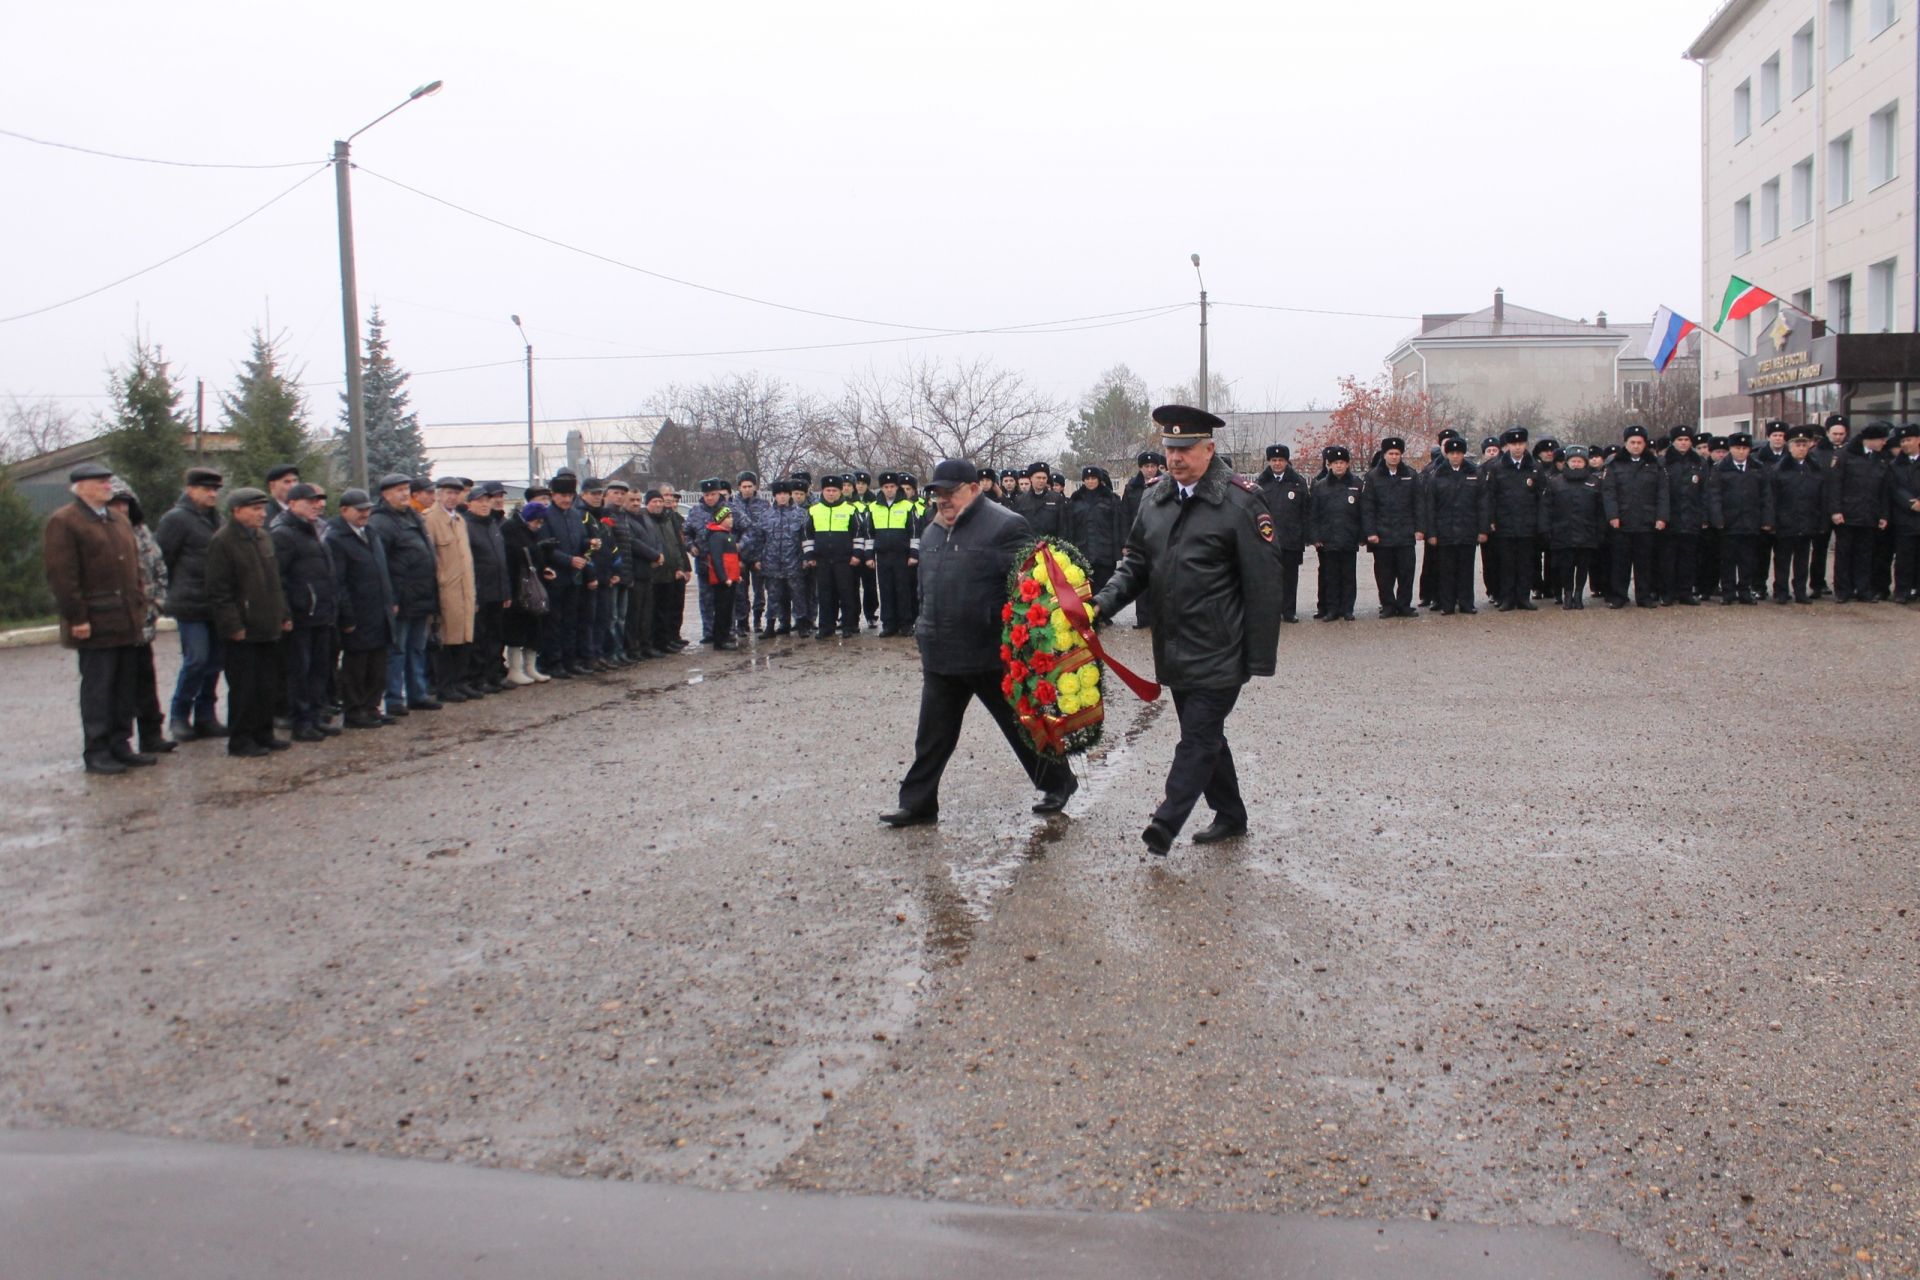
531, 597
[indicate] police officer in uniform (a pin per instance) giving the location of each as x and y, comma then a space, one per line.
1201, 554
1285, 492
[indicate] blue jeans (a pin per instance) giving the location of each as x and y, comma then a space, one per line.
197, 691
407, 662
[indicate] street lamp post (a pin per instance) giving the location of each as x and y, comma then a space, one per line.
350, 292
532, 474
1203, 330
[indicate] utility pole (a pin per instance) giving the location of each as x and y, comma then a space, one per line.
532, 463
200, 419
1203, 330
350, 294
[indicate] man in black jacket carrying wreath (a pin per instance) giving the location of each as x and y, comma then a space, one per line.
1201, 553
966, 553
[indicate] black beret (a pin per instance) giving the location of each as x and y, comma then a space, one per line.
89, 471
281, 471
1633, 431
1393, 442
204, 478
1279, 451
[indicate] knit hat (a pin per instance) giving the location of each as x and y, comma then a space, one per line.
531, 511
722, 514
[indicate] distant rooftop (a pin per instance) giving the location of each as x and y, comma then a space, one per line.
1724, 20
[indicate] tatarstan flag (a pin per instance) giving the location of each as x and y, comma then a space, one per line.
1742, 300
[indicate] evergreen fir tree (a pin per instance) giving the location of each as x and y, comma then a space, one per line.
23, 584
146, 438
394, 442
265, 414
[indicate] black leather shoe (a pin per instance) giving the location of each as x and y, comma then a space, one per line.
910, 817
1157, 839
328, 729
1220, 830
209, 729
449, 694
275, 744
307, 733
423, 704
136, 759
247, 749
364, 722
1056, 800
103, 764
156, 745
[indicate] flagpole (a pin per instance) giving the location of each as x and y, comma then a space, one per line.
1700, 328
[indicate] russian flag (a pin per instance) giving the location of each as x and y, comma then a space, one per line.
1669, 330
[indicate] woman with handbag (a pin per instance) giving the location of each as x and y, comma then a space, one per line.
528, 568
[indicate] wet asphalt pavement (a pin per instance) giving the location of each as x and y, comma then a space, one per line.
1604, 923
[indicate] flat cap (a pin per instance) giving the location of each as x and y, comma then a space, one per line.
246, 496
951, 473
303, 490
359, 498
449, 482
204, 478
393, 480
281, 471
89, 471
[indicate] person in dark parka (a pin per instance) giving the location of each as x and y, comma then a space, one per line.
1201, 554
1826, 455
414, 577
1391, 509
92, 563
1453, 528
1904, 471
1093, 524
1799, 512
183, 534
1859, 504
1637, 510
1286, 493
1679, 543
1334, 525
1740, 508
366, 610
307, 582
250, 612
492, 589
966, 553
1573, 518
1509, 516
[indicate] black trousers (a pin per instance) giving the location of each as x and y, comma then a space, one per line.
723, 601
256, 680
1490, 568
896, 592
1426, 577
305, 652
1679, 563
1817, 571
1202, 760
1791, 557
669, 599
1289, 582
1514, 560
943, 704
837, 587
1706, 570
1853, 561
1633, 555
363, 679
1546, 577
1320, 584
1743, 564
108, 683
639, 624
483, 655
869, 590
1339, 583
559, 635
1452, 565
1393, 576
1600, 570
753, 591
1573, 565
146, 696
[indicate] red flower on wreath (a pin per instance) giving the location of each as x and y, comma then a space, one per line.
1045, 692
1006, 612
1029, 589
1038, 614
1006, 686
1018, 635
1025, 708
1018, 671
1043, 663
1006, 653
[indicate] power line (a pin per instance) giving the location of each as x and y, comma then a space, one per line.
175, 164
55, 306
661, 275
1315, 311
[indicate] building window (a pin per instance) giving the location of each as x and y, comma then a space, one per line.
1770, 210
1840, 171
1639, 393
1839, 32
1803, 60
1742, 226
1880, 297
1803, 302
1770, 88
1883, 162
1884, 14
1840, 304
1742, 110
1802, 192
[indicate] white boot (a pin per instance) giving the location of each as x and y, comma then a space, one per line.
516, 671
529, 666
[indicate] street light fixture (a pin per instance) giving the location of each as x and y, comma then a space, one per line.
350, 291
531, 475
1203, 330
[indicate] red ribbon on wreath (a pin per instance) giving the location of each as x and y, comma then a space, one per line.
1145, 690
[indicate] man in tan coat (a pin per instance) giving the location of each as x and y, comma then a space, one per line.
453, 565
93, 569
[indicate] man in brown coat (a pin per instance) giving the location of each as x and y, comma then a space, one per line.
93, 569
250, 615
453, 569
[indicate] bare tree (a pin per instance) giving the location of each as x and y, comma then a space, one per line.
1219, 393
930, 409
35, 427
1667, 400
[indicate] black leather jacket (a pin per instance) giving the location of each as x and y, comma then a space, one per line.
1211, 579
963, 587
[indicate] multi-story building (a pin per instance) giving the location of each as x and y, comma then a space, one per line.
1808, 161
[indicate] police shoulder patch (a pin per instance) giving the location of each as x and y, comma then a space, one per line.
1264, 523
1243, 483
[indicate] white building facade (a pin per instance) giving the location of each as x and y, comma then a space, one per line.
1808, 190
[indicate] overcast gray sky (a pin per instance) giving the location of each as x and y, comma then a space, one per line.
954, 166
